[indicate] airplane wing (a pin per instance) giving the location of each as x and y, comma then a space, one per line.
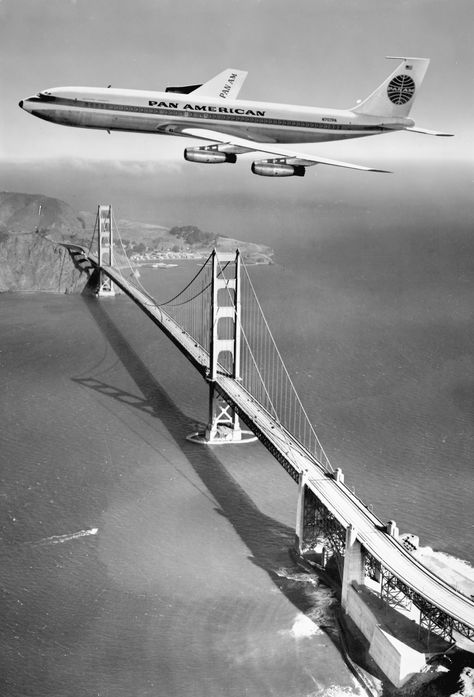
292, 157
226, 85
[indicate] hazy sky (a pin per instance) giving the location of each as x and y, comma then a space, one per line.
314, 52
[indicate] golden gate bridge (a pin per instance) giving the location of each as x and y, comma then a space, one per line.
217, 322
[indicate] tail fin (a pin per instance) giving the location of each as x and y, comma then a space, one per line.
225, 85
395, 96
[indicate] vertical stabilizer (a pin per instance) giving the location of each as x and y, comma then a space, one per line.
226, 85
395, 96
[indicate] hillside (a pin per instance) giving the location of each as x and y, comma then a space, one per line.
151, 237
29, 260
28, 213
31, 225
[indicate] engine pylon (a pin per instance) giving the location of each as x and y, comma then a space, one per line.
224, 424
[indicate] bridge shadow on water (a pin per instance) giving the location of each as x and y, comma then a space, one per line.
269, 541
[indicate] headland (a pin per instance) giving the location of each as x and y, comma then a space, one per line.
32, 226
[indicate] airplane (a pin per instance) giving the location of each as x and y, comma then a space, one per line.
212, 112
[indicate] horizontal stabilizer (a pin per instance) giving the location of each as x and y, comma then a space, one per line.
427, 131
226, 85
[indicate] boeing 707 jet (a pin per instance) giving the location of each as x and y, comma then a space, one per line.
212, 112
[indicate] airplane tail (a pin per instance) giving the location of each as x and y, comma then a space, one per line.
395, 96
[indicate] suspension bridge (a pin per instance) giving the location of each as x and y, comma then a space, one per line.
217, 323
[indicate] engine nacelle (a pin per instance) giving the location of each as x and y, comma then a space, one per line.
278, 169
210, 157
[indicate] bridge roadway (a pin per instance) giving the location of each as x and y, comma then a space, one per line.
347, 508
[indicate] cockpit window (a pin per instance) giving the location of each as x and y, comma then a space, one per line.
45, 95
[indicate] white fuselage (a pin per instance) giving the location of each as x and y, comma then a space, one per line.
170, 113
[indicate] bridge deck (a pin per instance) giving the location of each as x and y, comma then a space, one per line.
339, 500
349, 510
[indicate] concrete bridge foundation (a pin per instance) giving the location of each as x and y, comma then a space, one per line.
353, 571
393, 639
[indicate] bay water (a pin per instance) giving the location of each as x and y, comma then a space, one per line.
137, 563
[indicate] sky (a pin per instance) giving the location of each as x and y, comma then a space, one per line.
312, 52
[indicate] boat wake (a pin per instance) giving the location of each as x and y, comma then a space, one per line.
59, 539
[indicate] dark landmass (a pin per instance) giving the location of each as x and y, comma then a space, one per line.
29, 258
32, 226
456, 679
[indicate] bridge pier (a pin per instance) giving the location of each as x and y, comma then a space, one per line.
223, 425
320, 536
354, 566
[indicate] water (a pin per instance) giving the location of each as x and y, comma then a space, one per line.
375, 326
187, 587
134, 562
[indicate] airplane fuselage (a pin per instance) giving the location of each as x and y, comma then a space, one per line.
169, 113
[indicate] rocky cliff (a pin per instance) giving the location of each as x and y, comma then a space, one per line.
30, 258
32, 227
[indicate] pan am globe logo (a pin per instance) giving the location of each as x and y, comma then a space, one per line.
401, 89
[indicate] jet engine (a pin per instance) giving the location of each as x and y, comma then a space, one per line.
277, 168
208, 156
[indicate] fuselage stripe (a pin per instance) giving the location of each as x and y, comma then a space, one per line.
220, 116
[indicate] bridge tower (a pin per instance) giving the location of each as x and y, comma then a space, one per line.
225, 344
105, 241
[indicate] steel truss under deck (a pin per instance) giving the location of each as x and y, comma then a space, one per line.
372, 567
319, 524
392, 593
398, 594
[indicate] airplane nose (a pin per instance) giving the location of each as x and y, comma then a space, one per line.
20, 104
